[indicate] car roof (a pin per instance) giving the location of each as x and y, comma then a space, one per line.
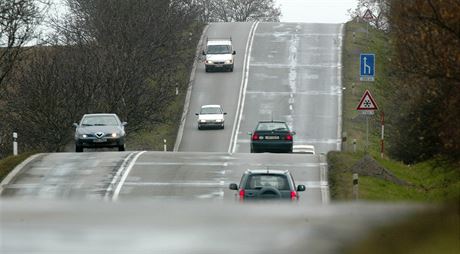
272, 121
267, 171
101, 114
219, 42
211, 106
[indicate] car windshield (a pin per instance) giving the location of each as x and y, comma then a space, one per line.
99, 121
260, 181
211, 110
272, 126
219, 49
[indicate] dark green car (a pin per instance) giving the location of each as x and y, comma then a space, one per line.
272, 136
263, 184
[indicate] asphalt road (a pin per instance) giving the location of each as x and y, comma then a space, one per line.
43, 227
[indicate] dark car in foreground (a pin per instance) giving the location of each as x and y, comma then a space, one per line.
264, 184
99, 130
272, 136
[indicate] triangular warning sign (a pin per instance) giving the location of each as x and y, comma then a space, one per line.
368, 15
367, 102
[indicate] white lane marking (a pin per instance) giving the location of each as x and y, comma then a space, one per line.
339, 78
180, 184
290, 107
185, 111
278, 34
125, 175
313, 184
243, 86
287, 66
218, 164
304, 141
16, 171
117, 175
219, 194
324, 179
311, 92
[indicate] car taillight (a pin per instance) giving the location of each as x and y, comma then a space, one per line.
293, 195
241, 194
255, 136
288, 137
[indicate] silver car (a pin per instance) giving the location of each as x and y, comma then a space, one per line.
99, 130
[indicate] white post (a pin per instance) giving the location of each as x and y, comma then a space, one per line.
164, 145
177, 90
354, 145
355, 186
15, 143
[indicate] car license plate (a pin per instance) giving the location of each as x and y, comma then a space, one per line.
101, 140
272, 137
219, 65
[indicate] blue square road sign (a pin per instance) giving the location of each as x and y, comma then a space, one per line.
367, 67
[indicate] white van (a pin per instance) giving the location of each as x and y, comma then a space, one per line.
219, 54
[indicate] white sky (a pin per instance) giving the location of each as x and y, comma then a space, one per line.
316, 11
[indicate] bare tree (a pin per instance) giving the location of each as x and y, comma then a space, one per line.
18, 20
380, 11
238, 10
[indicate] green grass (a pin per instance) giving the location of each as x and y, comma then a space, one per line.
428, 233
9, 163
429, 181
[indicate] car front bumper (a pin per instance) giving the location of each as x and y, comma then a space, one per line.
102, 142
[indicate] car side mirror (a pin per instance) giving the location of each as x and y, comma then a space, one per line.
197, 114
234, 52
249, 133
225, 113
204, 53
124, 123
233, 186
293, 133
75, 125
300, 187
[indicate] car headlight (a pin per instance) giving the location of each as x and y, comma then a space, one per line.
209, 62
202, 121
114, 135
83, 135
219, 120
229, 62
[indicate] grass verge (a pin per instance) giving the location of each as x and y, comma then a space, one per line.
429, 181
9, 163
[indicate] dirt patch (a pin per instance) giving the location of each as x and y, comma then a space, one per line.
367, 166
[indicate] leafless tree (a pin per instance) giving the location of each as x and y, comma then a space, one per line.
18, 20
238, 10
380, 11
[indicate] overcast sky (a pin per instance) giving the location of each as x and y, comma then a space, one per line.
316, 11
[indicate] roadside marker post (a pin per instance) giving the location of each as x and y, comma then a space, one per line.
165, 148
15, 143
355, 186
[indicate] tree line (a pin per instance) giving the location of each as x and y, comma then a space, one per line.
422, 93
121, 56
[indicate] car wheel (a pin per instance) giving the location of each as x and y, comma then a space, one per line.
253, 150
78, 149
121, 148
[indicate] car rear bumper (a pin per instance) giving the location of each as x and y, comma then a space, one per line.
272, 146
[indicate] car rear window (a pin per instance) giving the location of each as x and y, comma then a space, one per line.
272, 126
259, 181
